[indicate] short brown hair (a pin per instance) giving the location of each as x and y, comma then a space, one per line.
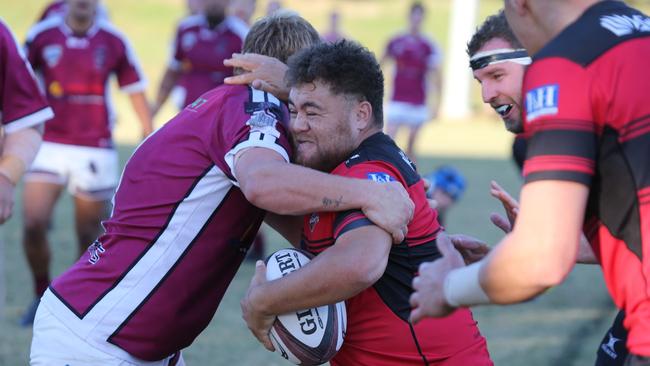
280, 35
494, 26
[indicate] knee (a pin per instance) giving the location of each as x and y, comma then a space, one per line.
36, 227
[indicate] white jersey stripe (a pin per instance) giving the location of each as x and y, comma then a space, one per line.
186, 223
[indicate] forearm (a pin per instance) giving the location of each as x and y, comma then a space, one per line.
168, 82
338, 273
289, 189
19, 151
141, 108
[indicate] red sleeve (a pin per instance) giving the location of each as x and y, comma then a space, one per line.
558, 116
371, 170
21, 102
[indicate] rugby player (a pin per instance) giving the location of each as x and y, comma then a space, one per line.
76, 55
190, 201
23, 109
587, 164
336, 122
498, 62
418, 61
201, 43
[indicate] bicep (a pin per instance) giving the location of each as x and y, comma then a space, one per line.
368, 248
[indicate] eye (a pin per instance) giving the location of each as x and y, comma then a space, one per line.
498, 76
292, 112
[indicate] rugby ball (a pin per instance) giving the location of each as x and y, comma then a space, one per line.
310, 336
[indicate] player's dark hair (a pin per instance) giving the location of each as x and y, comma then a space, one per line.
280, 35
346, 67
494, 26
416, 6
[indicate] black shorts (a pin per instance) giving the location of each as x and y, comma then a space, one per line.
612, 350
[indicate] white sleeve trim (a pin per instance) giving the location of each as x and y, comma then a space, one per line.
137, 87
29, 120
268, 143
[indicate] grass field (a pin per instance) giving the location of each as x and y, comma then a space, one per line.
561, 327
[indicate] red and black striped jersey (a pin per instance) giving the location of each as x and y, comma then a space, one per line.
588, 111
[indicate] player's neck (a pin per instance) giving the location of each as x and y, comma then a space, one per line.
414, 31
79, 26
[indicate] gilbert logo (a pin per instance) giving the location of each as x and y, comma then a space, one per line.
542, 101
622, 25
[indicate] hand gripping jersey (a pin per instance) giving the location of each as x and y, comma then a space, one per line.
198, 52
21, 102
179, 230
588, 110
378, 332
414, 56
75, 71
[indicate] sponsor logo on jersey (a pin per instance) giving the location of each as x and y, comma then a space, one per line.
542, 101
623, 25
263, 122
95, 249
52, 54
608, 347
188, 41
55, 89
313, 220
380, 177
196, 104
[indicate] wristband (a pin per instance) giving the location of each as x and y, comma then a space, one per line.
462, 287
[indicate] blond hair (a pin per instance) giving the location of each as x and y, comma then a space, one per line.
280, 35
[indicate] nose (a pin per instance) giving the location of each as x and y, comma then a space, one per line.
488, 92
298, 123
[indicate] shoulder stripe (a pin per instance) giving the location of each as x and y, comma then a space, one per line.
42, 26
191, 21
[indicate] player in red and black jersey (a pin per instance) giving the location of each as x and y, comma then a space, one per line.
336, 123
588, 113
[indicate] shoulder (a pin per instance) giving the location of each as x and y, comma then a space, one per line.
377, 156
191, 21
237, 27
43, 27
600, 28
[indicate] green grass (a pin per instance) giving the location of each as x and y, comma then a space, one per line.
566, 322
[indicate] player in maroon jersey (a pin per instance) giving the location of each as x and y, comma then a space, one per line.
201, 43
187, 208
23, 109
587, 165
417, 69
336, 122
76, 55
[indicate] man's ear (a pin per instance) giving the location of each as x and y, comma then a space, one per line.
363, 115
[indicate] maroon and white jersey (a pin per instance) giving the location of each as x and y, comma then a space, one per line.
75, 71
414, 56
198, 52
58, 8
21, 102
179, 230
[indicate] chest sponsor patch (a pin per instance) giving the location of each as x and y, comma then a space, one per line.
52, 54
542, 101
380, 177
264, 122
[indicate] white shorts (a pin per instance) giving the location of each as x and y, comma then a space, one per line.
89, 172
54, 344
402, 113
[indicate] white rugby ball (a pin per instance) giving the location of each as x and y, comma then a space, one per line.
311, 336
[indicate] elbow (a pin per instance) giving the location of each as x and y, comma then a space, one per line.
365, 276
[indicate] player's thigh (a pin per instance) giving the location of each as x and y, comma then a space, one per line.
89, 211
39, 199
94, 174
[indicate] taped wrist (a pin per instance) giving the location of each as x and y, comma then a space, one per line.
463, 287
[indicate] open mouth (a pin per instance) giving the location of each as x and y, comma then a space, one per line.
503, 109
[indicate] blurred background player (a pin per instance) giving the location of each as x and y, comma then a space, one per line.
194, 6
201, 43
333, 32
75, 55
498, 62
417, 71
447, 187
191, 198
23, 109
59, 8
240, 13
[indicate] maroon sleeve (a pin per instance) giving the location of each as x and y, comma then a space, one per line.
129, 75
21, 102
